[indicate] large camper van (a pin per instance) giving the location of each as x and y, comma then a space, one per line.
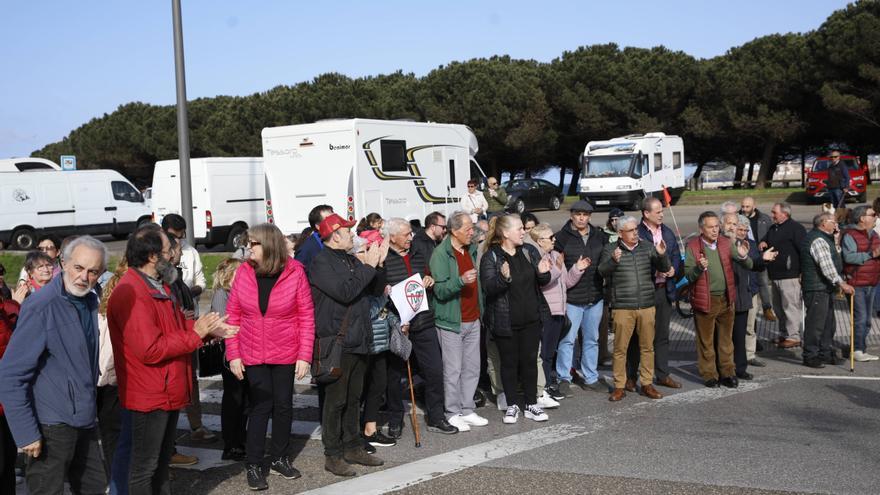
63, 203
623, 171
228, 196
358, 166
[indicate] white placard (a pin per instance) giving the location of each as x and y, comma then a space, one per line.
410, 298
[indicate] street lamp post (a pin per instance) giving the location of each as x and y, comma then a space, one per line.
186, 207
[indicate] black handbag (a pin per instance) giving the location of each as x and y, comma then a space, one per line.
327, 355
212, 359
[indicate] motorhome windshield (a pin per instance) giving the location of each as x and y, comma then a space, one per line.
609, 166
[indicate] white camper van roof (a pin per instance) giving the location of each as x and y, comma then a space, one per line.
27, 164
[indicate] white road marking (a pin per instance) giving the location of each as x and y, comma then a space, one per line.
841, 377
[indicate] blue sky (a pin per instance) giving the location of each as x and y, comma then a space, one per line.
64, 62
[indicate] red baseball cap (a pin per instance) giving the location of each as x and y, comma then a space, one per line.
331, 224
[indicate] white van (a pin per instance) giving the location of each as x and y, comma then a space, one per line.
358, 166
27, 164
63, 203
623, 171
228, 196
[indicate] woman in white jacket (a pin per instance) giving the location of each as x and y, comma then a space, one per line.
474, 203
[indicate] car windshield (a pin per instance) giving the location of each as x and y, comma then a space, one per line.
516, 185
821, 165
608, 166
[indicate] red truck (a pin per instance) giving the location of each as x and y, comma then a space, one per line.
858, 174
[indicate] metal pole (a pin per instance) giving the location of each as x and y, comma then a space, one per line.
186, 207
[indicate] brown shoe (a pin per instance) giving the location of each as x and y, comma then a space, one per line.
769, 315
337, 465
630, 385
669, 382
618, 394
179, 459
360, 456
650, 392
789, 343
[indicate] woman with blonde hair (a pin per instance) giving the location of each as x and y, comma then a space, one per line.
512, 274
271, 301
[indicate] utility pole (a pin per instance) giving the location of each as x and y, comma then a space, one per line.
186, 207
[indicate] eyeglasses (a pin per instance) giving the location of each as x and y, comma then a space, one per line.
471, 186
43, 267
47, 248
551, 238
251, 244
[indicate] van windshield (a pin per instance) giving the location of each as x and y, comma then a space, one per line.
823, 164
609, 166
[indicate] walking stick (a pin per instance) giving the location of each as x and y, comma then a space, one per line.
412, 399
852, 334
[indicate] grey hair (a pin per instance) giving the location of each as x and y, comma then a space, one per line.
727, 205
625, 220
784, 206
456, 220
821, 217
744, 221
393, 226
89, 242
725, 215
858, 212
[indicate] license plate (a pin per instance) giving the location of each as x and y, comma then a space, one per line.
603, 202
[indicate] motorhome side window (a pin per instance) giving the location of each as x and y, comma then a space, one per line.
676, 160
658, 161
123, 191
393, 156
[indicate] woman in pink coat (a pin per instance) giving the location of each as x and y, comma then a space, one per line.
271, 302
555, 292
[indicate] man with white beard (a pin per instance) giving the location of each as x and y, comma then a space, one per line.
50, 376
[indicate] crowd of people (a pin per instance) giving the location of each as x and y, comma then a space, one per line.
518, 314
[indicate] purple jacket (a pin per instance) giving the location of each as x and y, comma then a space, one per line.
555, 292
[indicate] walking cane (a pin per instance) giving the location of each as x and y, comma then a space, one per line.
852, 334
412, 399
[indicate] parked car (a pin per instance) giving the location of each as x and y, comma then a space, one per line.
858, 173
530, 194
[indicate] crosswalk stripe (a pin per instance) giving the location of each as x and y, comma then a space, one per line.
212, 422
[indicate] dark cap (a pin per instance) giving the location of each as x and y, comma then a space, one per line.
582, 205
616, 213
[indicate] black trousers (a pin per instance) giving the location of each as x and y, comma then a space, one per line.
820, 326
340, 428
152, 444
740, 321
233, 410
71, 453
8, 454
519, 364
549, 343
376, 382
109, 422
270, 392
426, 353
662, 316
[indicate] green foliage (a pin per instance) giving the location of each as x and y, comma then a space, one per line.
775, 96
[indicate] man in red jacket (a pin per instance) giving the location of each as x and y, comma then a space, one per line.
708, 265
152, 344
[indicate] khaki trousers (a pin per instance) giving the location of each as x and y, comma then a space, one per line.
718, 320
625, 322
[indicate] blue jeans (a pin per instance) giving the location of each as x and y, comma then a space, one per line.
835, 196
586, 317
862, 308
121, 462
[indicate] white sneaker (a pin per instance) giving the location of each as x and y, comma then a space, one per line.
512, 415
501, 401
535, 413
862, 356
459, 423
474, 419
547, 402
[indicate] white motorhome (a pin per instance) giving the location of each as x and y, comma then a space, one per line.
623, 171
27, 164
92, 202
358, 166
228, 196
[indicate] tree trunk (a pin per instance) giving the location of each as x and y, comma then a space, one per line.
573, 185
803, 166
561, 177
738, 175
768, 164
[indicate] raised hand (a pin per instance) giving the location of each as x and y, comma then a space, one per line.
20, 293
616, 254
704, 263
383, 249
742, 248
582, 263
505, 270
372, 255
770, 254
544, 266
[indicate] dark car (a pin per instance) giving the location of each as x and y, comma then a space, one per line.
532, 194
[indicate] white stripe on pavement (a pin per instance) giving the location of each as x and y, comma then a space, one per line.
426, 469
841, 377
212, 422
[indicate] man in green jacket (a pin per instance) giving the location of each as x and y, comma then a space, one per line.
496, 197
458, 303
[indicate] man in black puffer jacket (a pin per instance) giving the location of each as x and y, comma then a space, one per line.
340, 284
628, 265
578, 239
402, 262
